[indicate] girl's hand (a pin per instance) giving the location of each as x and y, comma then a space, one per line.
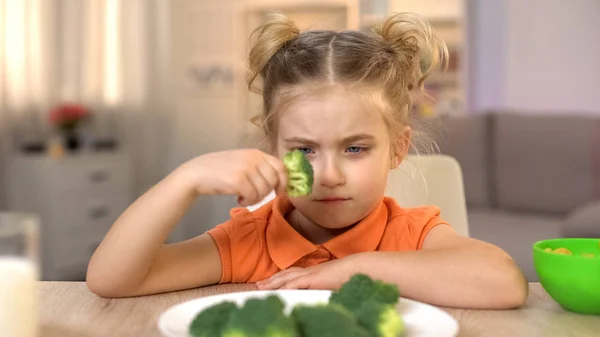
328, 275
249, 174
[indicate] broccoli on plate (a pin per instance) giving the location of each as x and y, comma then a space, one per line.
327, 320
381, 320
362, 307
261, 318
361, 288
210, 322
374, 304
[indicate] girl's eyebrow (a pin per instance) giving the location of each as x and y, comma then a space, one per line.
300, 140
349, 139
359, 137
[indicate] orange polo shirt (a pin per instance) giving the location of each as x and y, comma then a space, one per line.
255, 245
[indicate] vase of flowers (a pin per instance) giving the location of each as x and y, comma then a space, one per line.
67, 118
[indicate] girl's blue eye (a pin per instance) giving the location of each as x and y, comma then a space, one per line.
355, 149
306, 150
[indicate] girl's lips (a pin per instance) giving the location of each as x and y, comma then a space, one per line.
332, 199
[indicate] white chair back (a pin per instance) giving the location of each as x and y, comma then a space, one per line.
431, 180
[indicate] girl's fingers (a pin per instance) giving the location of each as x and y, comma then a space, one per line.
247, 193
261, 186
300, 282
278, 280
269, 175
261, 178
279, 167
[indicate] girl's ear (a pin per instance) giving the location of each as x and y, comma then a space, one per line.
401, 148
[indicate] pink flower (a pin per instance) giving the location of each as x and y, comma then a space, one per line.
68, 115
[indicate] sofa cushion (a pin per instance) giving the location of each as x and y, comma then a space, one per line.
584, 222
543, 163
515, 233
466, 138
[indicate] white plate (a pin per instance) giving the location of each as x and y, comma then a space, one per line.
421, 320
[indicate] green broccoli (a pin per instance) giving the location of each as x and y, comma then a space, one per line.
210, 322
373, 302
261, 318
363, 307
361, 288
327, 320
381, 320
300, 174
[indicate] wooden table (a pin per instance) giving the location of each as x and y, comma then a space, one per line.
68, 309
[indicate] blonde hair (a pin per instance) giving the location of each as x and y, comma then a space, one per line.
395, 57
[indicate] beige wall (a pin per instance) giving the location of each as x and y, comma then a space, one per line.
432, 9
537, 56
553, 56
204, 118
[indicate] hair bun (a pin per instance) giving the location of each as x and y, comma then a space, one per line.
415, 42
267, 40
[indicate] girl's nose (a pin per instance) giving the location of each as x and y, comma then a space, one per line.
330, 174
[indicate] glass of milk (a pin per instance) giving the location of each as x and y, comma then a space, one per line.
19, 270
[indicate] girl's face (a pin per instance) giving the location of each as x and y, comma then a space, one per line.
349, 147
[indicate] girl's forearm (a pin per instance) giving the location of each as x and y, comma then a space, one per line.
477, 276
129, 249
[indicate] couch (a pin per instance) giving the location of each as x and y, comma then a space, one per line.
527, 177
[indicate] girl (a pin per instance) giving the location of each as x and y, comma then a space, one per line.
343, 98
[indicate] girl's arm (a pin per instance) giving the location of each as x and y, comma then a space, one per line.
133, 259
451, 271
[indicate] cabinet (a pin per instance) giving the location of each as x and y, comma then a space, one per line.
78, 198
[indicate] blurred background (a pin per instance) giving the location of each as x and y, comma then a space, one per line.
100, 99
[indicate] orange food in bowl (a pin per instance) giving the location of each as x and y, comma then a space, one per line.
571, 280
565, 251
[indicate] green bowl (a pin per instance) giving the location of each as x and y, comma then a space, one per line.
571, 280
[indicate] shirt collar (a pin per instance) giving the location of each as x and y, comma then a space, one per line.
286, 245
363, 237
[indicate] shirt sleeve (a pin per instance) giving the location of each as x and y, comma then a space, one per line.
239, 246
422, 220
